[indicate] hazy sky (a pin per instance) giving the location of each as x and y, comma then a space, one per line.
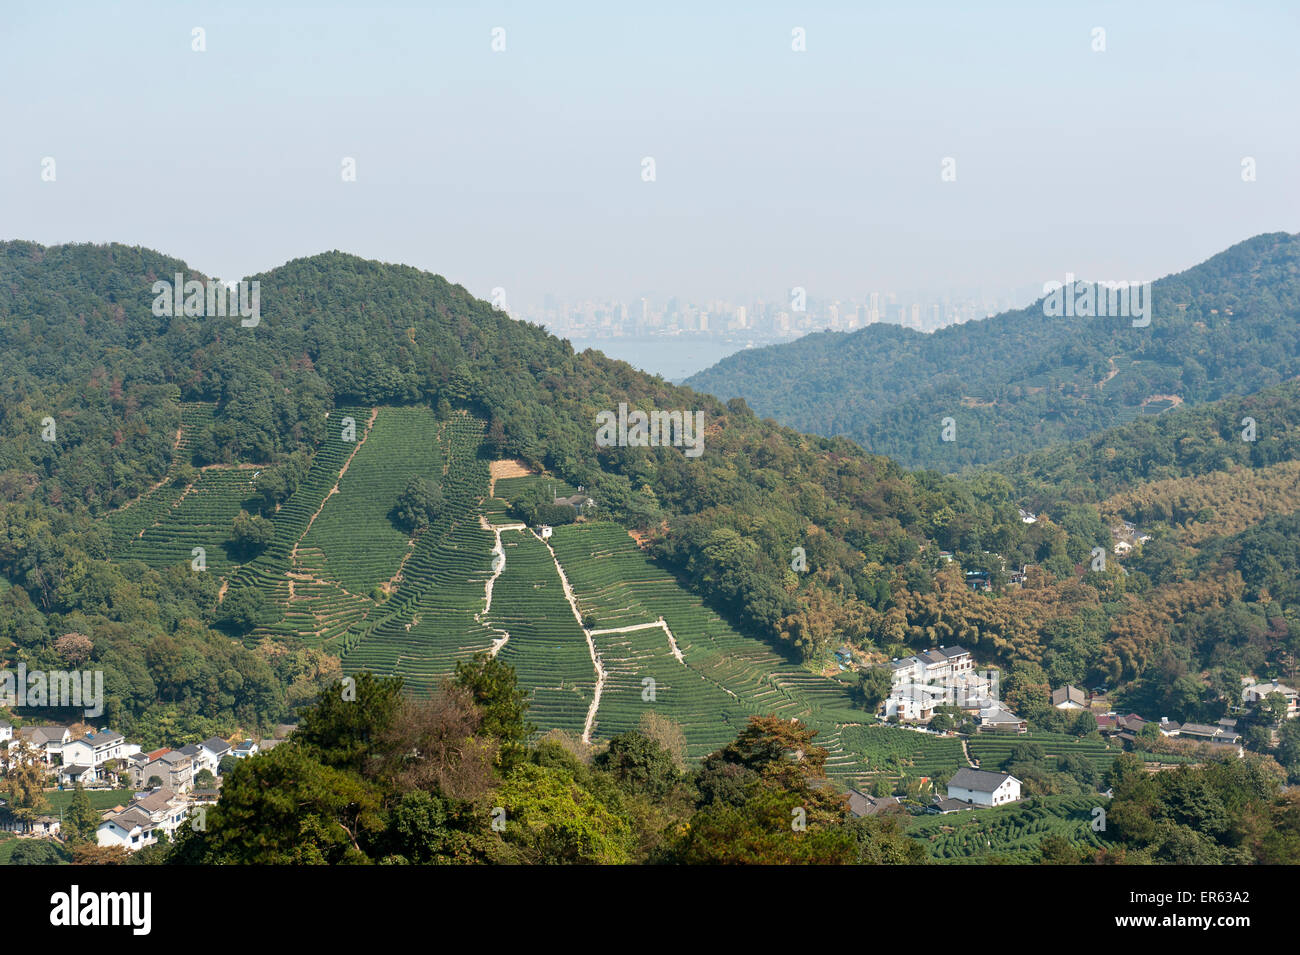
774, 168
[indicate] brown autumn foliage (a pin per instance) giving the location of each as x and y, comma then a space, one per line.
1138, 634
87, 853
74, 648
436, 746
1220, 503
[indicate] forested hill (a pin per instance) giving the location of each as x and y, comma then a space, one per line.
82, 347
1023, 380
1251, 433
97, 385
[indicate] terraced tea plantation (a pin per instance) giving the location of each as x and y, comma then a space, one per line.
643, 674
432, 619
546, 646
199, 516
896, 753
1011, 832
358, 544
338, 574
716, 678
993, 750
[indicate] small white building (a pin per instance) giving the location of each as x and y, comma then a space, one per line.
47, 741
139, 824
1257, 692
83, 758
215, 750
6, 731
981, 788
1069, 698
246, 749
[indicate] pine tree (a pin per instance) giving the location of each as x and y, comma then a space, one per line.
80, 822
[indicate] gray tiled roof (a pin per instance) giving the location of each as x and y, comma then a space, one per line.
979, 780
952, 805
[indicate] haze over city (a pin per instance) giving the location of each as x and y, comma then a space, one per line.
515, 160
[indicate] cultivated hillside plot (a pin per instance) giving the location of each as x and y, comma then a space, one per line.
338, 574
175, 521
360, 546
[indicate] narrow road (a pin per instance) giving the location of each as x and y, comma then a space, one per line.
591, 644
498, 565
660, 624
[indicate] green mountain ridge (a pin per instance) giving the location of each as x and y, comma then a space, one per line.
166, 428
1024, 380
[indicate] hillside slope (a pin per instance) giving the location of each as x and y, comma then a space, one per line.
87, 352
1023, 380
201, 474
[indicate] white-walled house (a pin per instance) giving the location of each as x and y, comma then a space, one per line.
138, 825
47, 741
130, 829
83, 758
915, 701
201, 757
1257, 692
214, 750
6, 731
936, 665
246, 749
943, 675
982, 788
1069, 698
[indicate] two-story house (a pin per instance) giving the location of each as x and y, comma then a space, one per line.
172, 768
942, 675
1257, 692
46, 741
83, 758
143, 819
215, 750
982, 788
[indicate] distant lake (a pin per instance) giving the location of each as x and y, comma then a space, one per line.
675, 358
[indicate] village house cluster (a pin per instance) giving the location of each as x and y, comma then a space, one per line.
946, 676
164, 785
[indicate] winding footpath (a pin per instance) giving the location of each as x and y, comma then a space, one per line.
591, 644
658, 624
498, 565
601, 673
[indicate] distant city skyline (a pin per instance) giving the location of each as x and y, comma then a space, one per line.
760, 318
